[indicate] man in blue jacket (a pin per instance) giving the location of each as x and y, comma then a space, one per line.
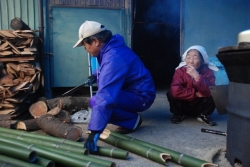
125, 86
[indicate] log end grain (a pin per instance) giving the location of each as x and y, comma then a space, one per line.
37, 109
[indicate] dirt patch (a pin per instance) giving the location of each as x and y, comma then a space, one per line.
220, 159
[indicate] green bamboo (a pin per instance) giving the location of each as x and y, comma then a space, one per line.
176, 157
41, 151
6, 164
16, 162
39, 136
84, 157
72, 146
141, 150
73, 153
47, 143
17, 152
113, 152
44, 162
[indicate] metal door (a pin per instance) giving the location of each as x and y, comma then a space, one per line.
69, 67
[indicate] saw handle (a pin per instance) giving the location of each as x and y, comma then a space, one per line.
213, 132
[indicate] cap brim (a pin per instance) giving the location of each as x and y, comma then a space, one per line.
78, 43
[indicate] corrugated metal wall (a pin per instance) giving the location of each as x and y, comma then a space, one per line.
27, 10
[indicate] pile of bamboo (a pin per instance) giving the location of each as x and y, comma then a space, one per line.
19, 73
19, 148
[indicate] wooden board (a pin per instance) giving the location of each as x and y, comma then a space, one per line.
25, 58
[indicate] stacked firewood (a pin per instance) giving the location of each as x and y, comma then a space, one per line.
19, 75
19, 42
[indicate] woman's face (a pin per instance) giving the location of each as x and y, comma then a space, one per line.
194, 59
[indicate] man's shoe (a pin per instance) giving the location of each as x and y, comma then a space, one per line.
176, 119
125, 130
206, 119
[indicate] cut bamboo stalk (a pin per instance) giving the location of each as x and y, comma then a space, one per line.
17, 152
39, 136
59, 143
43, 152
40, 142
144, 151
176, 157
7, 164
113, 153
17, 162
44, 162
84, 157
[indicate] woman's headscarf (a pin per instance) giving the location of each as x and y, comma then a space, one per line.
203, 52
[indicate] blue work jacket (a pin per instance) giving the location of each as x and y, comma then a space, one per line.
120, 69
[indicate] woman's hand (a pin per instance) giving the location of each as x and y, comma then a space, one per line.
192, 72
198, 94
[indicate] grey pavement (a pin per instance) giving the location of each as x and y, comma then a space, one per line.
185, 137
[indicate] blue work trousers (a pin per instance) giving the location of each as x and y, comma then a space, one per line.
126, 107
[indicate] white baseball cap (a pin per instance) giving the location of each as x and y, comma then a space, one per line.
87, 29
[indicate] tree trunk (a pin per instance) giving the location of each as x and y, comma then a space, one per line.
53, 126
70, 103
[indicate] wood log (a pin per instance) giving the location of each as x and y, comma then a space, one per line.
57, 109
64, 116
44, 99
28, 125
70, 103
7, 123
5, 117
37, 109
18, 24
53, 126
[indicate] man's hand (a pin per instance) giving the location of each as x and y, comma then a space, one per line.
91, 142
91, 80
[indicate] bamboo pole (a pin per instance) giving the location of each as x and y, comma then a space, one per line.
44, 162
84, 157
45, 143
17, 152
64, 144
176, 157
43, 152
113, 153
16, 162
38, 136
141, 150
6, 164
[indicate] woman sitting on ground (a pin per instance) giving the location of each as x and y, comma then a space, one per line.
189, 93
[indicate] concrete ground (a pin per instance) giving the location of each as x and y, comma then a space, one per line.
185, 137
